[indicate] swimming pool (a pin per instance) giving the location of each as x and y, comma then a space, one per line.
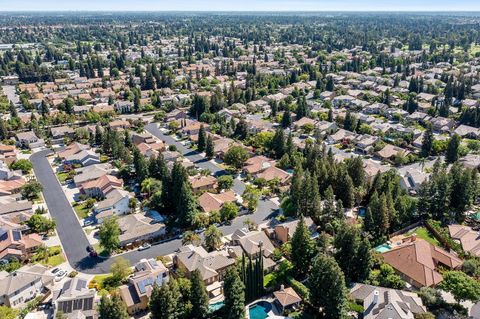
259, 310
215, 306
383, 248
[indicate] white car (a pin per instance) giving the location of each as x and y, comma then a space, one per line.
60, 275
144, 246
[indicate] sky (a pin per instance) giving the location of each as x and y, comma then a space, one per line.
242, 5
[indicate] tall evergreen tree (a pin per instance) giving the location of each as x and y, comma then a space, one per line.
451, 155
286, 118
427, 142
199, 297
202, 139
352, 253
209, 148
234, 292
163, 301
303, 248
112, 308
328, 293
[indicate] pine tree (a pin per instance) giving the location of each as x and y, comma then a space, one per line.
98, 135
286, 118
303, 248
163, 301
234, 292
3, 130
345, 191
201, 139
328, 292
427, 142
352, 253
278, 143
451, 155
329, 86
140, 164
112, 308
209, 148
199, 297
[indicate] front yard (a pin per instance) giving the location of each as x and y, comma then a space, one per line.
81, 209
52, 256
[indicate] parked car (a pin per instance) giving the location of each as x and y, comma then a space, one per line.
144, 246
60, 275
87, 222
89, 249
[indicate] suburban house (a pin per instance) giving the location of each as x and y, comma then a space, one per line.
116, 203
15, 244
211, 265
72, 149
287, 298
29, 139
24, 284
119, 125
138, 228
212, 201
274, 173
284, 232
202, 183
389, 152
257, 164
75, 300
16, 211
84, 158
379, 302
92, 172
417, 262
468, 238
8, 153
101, 187
61, 132
136, 294
251, 242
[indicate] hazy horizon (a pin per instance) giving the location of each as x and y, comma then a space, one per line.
243, 6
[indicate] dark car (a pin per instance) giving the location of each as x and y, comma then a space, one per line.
90, 249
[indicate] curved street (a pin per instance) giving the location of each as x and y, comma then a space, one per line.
73, 238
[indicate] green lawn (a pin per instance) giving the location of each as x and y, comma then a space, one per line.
55, 260
81, 210
423, 233
97, 281
62, 177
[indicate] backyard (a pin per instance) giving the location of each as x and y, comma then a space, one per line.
424, 234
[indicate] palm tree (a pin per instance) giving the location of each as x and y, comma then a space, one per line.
149, 184
213, 237
189, 237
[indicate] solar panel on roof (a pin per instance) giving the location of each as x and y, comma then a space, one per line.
17, 235
81, 284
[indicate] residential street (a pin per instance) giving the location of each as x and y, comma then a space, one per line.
74, 240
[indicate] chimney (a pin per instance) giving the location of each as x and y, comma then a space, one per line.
414, 237
376, 293
282, 287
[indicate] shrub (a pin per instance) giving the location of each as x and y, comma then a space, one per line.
73, 274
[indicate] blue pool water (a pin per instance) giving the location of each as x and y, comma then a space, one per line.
383, 248
215, 306
259, 310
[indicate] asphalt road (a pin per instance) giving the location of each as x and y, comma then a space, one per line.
74, 240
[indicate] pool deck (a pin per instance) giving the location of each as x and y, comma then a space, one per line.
275, 313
